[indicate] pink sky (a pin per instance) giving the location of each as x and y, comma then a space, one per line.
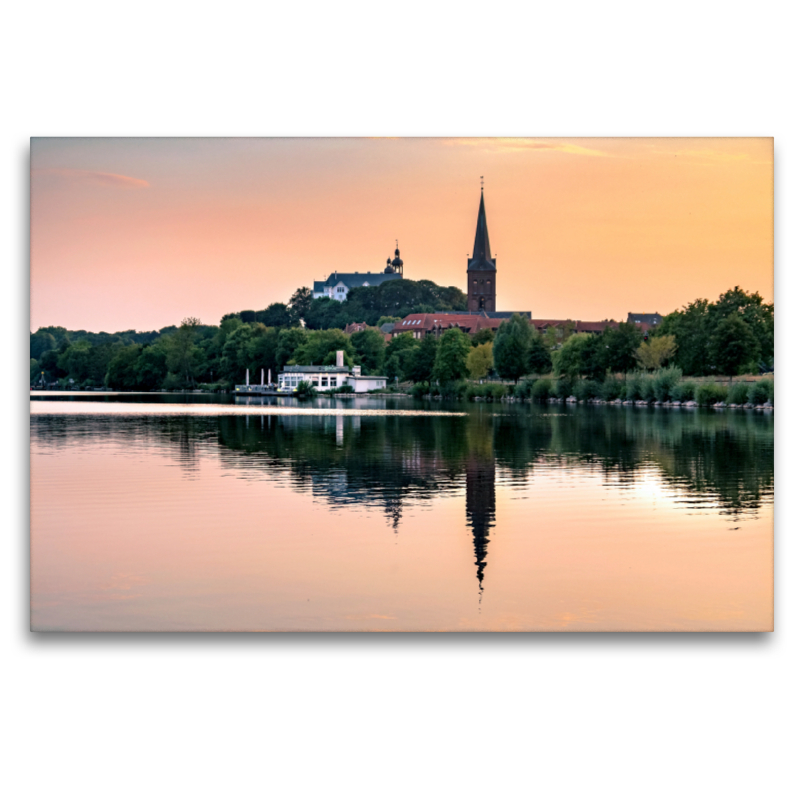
139, 233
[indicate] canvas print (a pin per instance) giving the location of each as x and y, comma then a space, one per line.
411, 385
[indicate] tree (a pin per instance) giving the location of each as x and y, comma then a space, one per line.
451, 356
76, 361
289, 341
418, 362
151, 366
511, 347
733, 347
655, 352
182, 354
123, 368
49, 364
755, 313
482, 336
370, 347
619, 345
393, 357
540, 362
556, 335
480, 361
275, 315
571, 359
41, 342
235, 359
300, 303
691, 329
262, 351
325, 313
320, 348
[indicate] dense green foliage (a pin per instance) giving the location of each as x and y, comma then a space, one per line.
511, 348
732, 336
451, 356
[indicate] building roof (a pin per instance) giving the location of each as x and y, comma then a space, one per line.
312, 368
576, 325
646, 319
482, 252
469, 323
353, 279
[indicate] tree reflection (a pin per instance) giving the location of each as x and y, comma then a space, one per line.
725, 460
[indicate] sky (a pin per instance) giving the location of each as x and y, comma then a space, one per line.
141, 233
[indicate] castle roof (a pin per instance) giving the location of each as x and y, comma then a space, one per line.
353, 279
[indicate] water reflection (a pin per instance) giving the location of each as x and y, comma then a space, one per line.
706, 462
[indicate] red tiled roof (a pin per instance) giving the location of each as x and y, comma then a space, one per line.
471, 323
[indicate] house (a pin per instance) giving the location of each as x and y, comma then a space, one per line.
651, 320
329, 377
422, 325
338, 284
357, 327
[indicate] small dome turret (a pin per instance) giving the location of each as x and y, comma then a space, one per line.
398, 262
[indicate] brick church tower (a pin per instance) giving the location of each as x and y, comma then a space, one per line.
482, 269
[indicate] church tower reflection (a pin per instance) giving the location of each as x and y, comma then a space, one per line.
480, 469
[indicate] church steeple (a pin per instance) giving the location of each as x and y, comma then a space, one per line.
482, 252
481, 268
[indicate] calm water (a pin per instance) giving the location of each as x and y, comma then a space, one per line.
165, 513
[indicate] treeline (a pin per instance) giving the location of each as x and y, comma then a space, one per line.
729, 337
194, 355
374, 305
733, 336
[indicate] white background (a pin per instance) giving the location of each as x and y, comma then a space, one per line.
396, 716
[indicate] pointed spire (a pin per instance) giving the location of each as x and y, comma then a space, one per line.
482, 251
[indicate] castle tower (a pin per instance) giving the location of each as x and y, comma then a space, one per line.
397, 264
482, 269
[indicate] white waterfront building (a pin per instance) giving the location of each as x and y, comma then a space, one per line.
322, 378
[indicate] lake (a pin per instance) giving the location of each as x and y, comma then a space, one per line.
199, 513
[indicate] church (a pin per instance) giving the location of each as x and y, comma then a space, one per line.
482, 269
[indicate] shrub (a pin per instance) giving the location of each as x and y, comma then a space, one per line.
523, 389
345, 388
495, 390
737, 393
563, 387
452, 389
612, 388
172, 382
648, 388
633, 387
706, 394
473, 390
761, 391
306, 389
420, 389
586, 390
542, 389
682, 392
664, 381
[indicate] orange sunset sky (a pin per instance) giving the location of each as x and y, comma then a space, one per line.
139, 233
